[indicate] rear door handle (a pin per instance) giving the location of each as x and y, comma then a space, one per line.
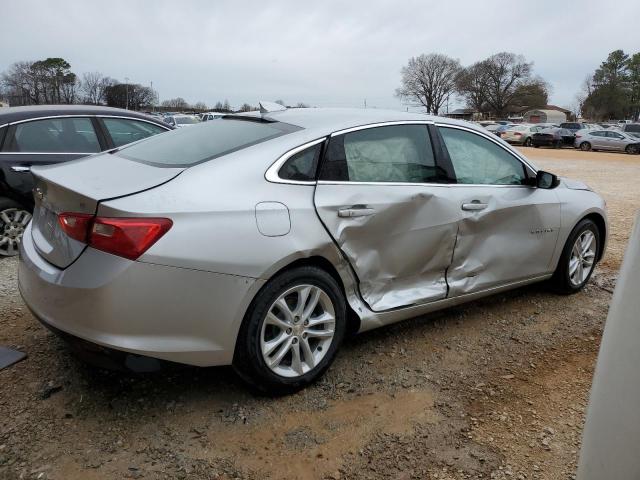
356, 212
474, 206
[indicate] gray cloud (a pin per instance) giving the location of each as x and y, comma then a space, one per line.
328, 53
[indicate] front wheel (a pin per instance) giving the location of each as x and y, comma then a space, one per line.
13, 221
578, 258
527, 142
291, 332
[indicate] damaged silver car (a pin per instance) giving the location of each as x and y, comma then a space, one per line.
262, 240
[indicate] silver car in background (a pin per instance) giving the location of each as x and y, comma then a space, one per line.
262, 240
607, 140
179, 121
521, 134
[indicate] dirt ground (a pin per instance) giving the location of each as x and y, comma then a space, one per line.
492, 389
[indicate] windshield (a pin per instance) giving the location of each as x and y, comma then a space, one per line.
185, 147
186, 120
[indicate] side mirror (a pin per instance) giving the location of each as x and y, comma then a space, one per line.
546, 180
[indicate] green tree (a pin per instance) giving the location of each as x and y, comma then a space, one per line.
611, 95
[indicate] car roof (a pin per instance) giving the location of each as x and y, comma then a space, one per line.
323, 121
16, 114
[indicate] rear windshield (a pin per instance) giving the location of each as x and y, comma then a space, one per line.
185, 147
570, 125
632, 127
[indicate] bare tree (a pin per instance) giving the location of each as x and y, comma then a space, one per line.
428, 80
504, 73
178, 103
471, 86
247, 108
200, 106
93, 86
280, 102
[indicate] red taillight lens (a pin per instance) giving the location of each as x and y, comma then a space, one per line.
518, 134
127, 237
578, 136
76, 225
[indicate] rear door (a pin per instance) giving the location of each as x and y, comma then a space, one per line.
45, 141
382, 197
598, 140
616, 141
508, 230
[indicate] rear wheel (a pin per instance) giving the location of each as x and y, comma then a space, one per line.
527, 142
578, 258
585, 146
557, 144
291, 332
13, 220
632, 149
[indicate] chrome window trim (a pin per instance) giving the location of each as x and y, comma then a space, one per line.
413, 184
382, 124
272, 173
508, 149
101, 115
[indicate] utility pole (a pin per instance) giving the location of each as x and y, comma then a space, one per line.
365, 103
126, 89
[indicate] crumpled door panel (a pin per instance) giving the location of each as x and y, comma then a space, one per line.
401, 252
514, 238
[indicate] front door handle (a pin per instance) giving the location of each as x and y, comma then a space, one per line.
356, 211
474, 206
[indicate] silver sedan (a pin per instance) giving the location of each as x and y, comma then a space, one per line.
262, 240
607, 140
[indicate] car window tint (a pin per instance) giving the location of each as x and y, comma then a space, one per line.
124, 131
397, 153
302, 166
477, 160
55, 135
188, 146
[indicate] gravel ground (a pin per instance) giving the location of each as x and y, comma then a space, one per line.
493, 389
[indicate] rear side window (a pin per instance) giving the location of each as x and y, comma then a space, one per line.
479, 161
302, 166
124, 131
54, 135
396, 153
196, 144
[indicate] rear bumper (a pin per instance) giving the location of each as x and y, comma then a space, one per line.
176, 314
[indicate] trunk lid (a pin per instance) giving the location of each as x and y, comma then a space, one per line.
78, 187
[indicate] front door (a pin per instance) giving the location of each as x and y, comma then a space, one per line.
508, 230
380, 198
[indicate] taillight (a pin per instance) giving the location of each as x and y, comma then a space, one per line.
76, 225
125, 237
518, 134
578, 136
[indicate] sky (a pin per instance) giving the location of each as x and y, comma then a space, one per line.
324, 53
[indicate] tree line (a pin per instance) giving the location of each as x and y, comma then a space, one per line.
612, 92
51, 81
498, 85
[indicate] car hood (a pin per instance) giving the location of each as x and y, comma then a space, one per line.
575, 184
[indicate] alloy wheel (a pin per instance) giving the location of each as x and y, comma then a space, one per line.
13, 221
582, 259
297, 330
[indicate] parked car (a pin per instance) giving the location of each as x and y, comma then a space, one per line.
574, 126
553, 137
520, 134
211, 116
179, 121
48, 134
607, 140
631, 129
248, 240
503, 128
492, 127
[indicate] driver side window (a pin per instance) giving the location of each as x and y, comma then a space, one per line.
479, 161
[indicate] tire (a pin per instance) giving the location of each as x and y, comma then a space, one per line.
13, 220
585, 146
563, 280
632, 149
256, 332
557, 144
536, 146
527, 142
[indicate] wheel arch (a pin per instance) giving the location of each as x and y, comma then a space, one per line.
600, 222
353, 320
